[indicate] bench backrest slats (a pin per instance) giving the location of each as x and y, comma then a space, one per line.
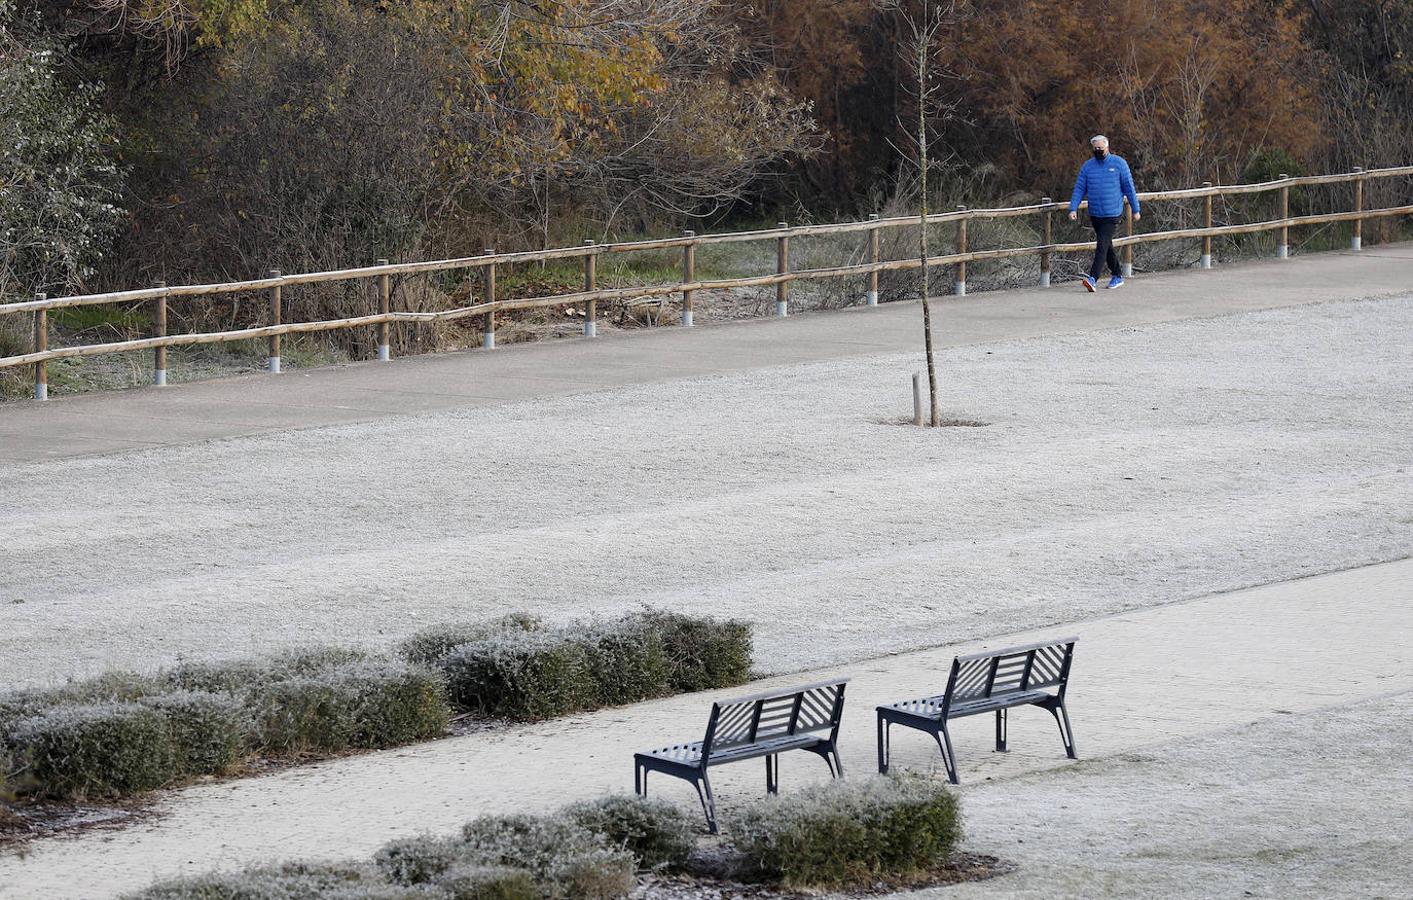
1009, 670
748, 720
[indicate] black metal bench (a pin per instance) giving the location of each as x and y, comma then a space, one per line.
1031, 675
803, 718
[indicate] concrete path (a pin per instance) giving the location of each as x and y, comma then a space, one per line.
146, 417
1157, 678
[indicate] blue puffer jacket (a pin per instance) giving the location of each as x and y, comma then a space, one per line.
1105, 184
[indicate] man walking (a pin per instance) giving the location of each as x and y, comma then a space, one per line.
1105, 181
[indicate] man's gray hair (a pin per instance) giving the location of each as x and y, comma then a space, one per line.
1098, 138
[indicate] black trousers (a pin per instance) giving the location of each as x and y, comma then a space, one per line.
1104, 245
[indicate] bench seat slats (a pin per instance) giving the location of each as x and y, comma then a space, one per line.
691, 754
931, 707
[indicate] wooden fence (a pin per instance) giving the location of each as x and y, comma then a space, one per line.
687, 287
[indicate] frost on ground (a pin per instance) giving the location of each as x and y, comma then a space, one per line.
1318, 805
1121, 469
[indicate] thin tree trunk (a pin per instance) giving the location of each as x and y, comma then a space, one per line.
922, 35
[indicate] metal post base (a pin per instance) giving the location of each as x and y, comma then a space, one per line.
1282, 251
1127, 269
1355, 243
384, 353
591, 329
1044, 279
1206, 261
274, 365
488, 340
159, 377
686, 318
960, 289
782, 309
871, 298
41, 392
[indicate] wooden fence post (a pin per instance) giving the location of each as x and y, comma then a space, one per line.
275, 320
1357, 242
782, 267
689, 274
1045, 254
41, 343
1283, 248
384, 307
591, 321
488, 330
1127, 266
960, 289
1207, 223
159, 355
875, 254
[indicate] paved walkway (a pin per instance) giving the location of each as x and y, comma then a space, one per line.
145, 417
1155, 678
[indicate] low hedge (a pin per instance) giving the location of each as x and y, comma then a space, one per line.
540, 674
656, 832
849, 833
97, 751
123, 733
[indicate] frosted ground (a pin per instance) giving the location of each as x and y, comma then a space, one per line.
1120, 469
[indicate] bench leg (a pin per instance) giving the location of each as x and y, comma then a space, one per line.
944, 743
1000, 731
708, 803
772, 774
837, 770
883, 727
1062, 718
640, 780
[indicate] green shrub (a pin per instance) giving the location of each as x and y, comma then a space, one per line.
363, 704
431, 646
418, 860
657, 833
626, 661
537, 675
467, 882
241, 676
114, 687
566, 860
702, 653
849, 833
106, 750
209, 731
292, 881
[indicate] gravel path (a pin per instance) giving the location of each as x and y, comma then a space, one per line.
1121, 469
1317, 805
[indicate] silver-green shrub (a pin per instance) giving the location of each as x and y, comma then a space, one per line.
849, 832
472, 882
104, 750
209, 731
658, 834
431, 646
528, 677
567, 860
291, 881
703, 653
362, 704
419, 860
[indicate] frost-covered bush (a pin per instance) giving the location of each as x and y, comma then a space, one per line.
241, 676
59, 180
114, 687
431, 646
657, 833
852, 832
418, 860
531, 676
626, 661
209, 731
292, 881
106, 750
472, 882
361, 704
567, 860
703, 653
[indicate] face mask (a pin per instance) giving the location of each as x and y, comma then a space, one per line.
1099, 153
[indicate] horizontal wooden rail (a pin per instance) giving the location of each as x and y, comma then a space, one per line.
490, 261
